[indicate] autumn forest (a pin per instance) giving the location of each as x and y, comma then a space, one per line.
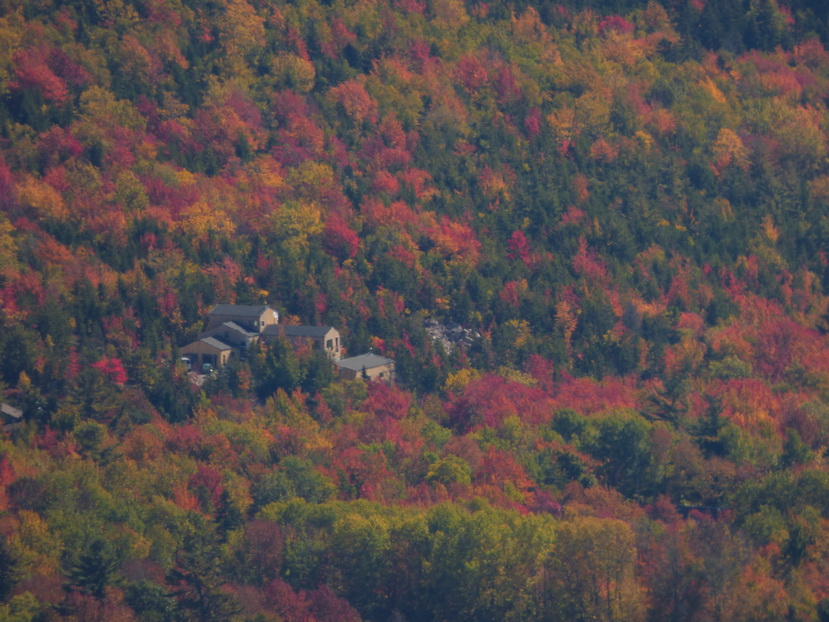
624, 207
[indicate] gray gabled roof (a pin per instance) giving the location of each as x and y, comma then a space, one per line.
297, 331
236, 327
251, 311
212, 341
364, 361
11, 411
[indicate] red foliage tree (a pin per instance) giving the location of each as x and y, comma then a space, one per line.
6, 478
262, 550
363, 471
506, 85
387, 401
518, 246
206, 483
6, 186
491, 399
356, 102
471, 73
615, 23
587, 263
326, 605
499, 468
587, 396
57, 145
340, 36
112, 368
339, 238
455, 239
187, 438
33, 72
298, 140
512, 292
290, 606
385, 183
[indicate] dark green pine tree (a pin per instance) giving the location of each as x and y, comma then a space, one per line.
708, 429
95, 568
8, 570
196, 576
280, 370
228, 516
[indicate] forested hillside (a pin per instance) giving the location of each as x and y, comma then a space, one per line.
624, 203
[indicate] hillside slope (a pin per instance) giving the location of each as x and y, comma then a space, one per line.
623, 206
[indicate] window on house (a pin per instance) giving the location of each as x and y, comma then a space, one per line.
329, 344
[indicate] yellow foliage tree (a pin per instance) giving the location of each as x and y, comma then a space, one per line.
729, 150
456, 382
42, 198
450, 15
130, 192
11, 27
35, 546
8, 247
242, 34
291, 71
713, 91
294, 222
310, 179
563, 123
567, 320
201, 219
590, 572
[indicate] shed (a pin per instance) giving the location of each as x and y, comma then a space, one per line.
208, 350
374, 366
10, 417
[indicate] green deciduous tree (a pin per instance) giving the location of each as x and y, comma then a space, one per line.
590, 573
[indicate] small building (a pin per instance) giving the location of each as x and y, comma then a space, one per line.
207, 351
10, 417
325, 338
233, 334
253, 318
372, 366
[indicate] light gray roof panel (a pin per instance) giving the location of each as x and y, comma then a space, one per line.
364, 361
236, 327
11, 411
297, 331
216, 343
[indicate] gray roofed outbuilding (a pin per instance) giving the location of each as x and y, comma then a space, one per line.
364, 361
11, 411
